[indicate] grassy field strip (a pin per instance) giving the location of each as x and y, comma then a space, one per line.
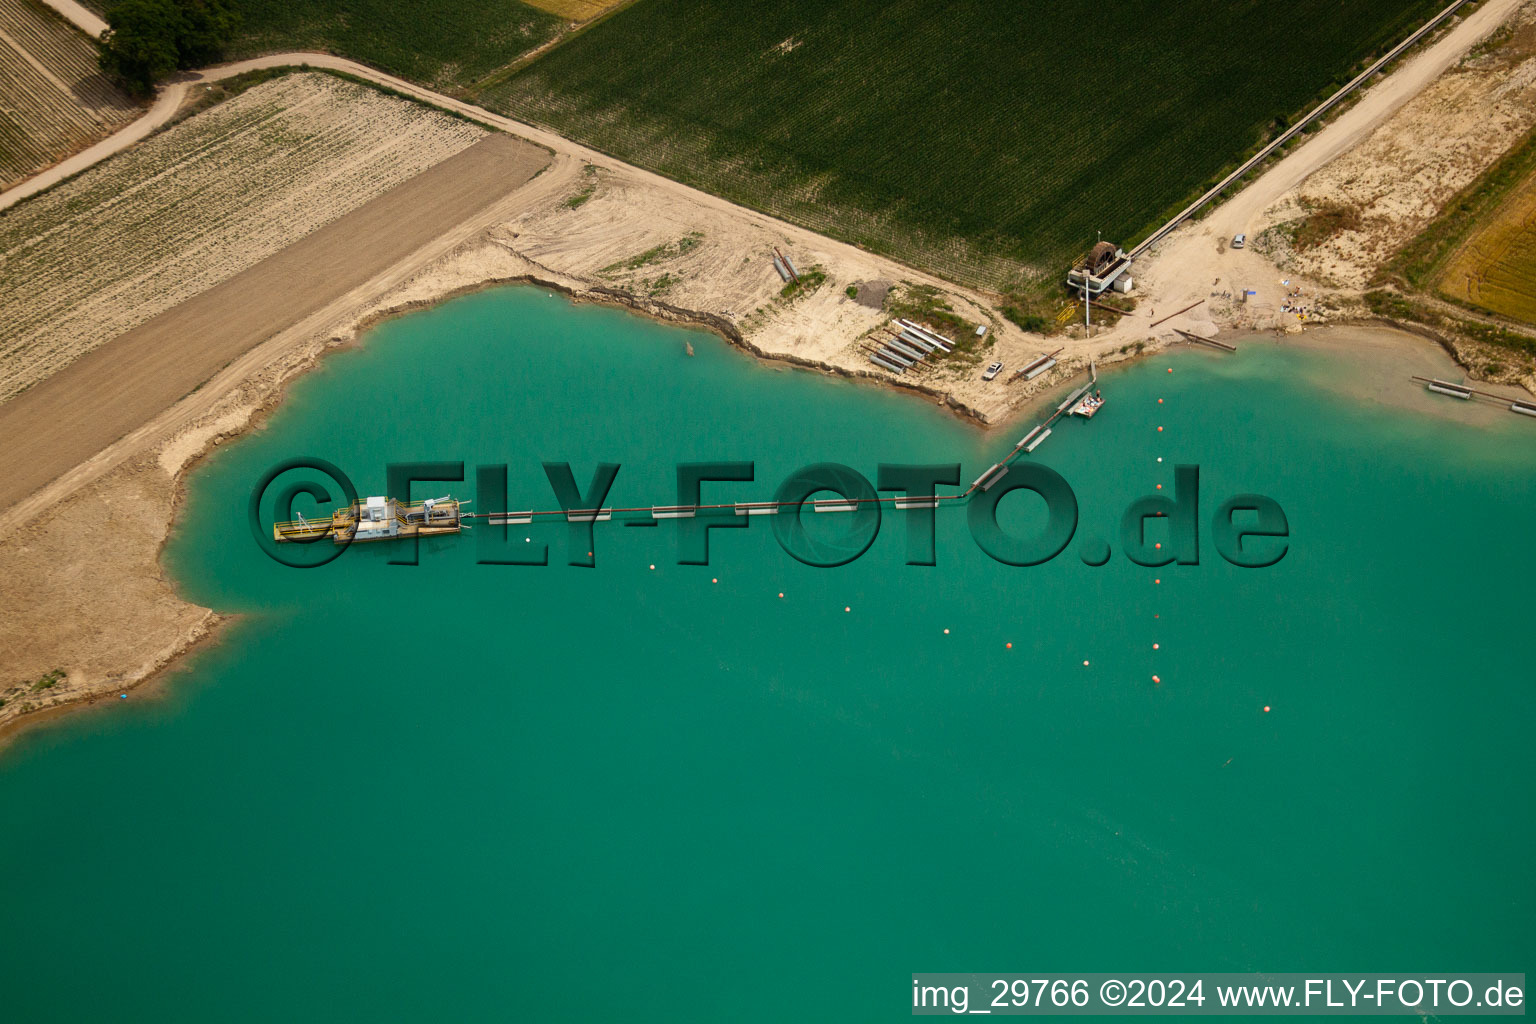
1496, 267
575, 10
195, 205
53, 99
446, 44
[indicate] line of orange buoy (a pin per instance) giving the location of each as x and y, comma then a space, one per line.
1157, 680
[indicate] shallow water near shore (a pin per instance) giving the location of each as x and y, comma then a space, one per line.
468, 791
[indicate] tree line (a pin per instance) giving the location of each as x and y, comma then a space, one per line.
148, 40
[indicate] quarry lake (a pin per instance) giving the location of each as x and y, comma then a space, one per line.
459, 791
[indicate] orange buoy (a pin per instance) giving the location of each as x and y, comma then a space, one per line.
1170, 369
1266, 709
781, 593
1009, 646
847, 608
1159, 430
1085, 664
1155, 679
1159, 546
1157, 581
1159, 486
946, 632
1156, 646
715, 580
653, 566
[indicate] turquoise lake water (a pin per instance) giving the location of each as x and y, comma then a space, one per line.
456, 791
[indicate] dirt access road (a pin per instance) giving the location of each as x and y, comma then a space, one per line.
83, 19
1185, 266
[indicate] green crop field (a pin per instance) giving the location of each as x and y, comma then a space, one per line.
988, 142
447, 44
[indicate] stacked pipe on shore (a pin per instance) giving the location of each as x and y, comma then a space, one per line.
910, 344
1037, 367
1466, 393
784, 266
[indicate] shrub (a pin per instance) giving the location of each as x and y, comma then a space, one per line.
1324, 222
49, 681
149, 39
1032, 322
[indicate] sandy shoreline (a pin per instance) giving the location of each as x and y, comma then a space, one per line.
182, 627
1390, 349
101, 528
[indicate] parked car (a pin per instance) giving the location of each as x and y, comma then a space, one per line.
992, 371
1238, 241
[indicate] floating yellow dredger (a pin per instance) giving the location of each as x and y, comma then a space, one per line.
377, 518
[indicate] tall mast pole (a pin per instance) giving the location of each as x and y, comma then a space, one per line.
1087, 296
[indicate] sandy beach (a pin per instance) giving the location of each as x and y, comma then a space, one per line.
94, 524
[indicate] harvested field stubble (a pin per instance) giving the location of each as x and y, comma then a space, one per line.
1495, 269
193, 206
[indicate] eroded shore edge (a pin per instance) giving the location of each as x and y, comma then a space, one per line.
211, 627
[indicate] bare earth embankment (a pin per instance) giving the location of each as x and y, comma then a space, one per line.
78, 567
196, 205
101, 396
604, 231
